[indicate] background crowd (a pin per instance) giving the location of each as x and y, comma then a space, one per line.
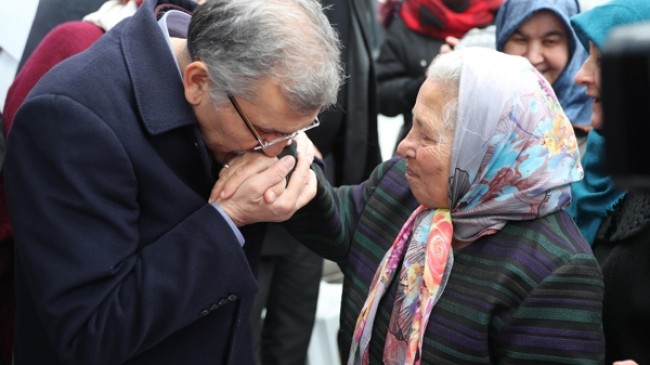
125, 123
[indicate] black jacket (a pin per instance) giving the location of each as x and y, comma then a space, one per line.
348, 131
403, 61
622, 247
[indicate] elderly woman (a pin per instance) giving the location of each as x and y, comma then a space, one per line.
615, 222
460, 251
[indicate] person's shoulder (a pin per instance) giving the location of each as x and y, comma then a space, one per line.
393, 168
389, 180
553, 238
532, 250
73, 29
64, 41
629, 218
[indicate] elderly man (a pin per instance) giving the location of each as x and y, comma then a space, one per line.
122, 258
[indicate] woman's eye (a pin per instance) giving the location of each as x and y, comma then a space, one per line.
432, 139
551, 41
518, 40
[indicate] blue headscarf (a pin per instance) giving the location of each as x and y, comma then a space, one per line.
595, 25
595, 196
513, 13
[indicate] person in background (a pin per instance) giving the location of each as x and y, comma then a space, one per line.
615, 222
459, 251
290, 273
415, 31
63, 41
122, 256
540, 30
23, 24
51, 13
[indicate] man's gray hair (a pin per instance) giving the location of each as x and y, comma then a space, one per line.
289, 41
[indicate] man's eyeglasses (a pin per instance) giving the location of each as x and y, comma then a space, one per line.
265, 144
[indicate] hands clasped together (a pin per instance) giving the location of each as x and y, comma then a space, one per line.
254, 187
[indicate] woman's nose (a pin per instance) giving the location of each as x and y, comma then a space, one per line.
534, 53
582, 76
405, 147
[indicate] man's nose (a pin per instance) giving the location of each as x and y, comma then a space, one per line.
274, 150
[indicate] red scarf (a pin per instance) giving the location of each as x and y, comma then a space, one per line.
137, 2
442, 18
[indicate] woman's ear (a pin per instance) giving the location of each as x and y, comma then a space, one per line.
196, 82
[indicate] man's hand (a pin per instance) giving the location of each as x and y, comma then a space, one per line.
254, 189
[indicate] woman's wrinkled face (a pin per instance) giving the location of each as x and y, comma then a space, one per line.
427, 148
589, 77
544, 41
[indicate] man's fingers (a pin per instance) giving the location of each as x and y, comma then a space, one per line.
239, 170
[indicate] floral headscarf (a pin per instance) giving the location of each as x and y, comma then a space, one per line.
515, 153
514, 157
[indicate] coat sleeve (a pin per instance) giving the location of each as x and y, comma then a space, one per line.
328, 224
101, 294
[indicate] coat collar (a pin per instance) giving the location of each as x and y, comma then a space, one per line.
157, 86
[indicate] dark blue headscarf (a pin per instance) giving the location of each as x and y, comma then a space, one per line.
513, 13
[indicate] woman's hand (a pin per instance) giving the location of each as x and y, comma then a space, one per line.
450, 43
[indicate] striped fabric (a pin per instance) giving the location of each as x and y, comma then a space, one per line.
531, 294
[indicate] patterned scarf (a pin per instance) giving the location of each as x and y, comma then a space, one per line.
514, 157
426, 265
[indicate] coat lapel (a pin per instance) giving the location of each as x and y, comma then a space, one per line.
158, 91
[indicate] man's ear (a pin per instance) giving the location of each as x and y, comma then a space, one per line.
196, 82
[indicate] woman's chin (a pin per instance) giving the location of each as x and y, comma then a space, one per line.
597, 122
597, 115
